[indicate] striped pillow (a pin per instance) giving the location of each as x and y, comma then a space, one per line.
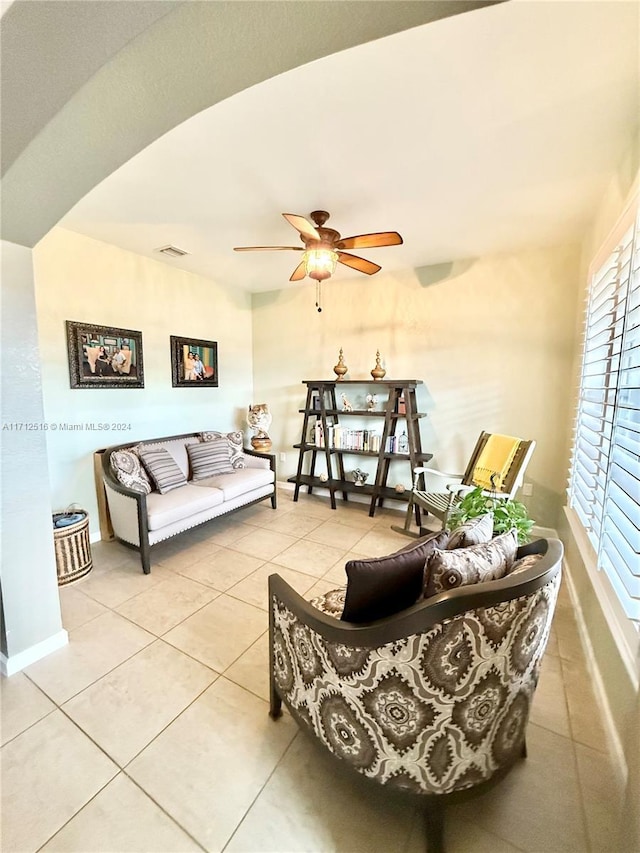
162, 468
236, 445
210, 458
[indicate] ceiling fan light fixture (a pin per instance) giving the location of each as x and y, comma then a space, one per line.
320, 263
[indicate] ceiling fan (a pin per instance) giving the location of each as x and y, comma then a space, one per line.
323, 247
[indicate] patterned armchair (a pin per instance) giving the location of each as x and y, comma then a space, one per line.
432, 701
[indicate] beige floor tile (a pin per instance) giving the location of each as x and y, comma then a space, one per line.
603, 796
166, 604
254, 589
48, 773
570, 648
549, 708
320, 587
263, 544
113, 586
251, 670
220, 632
327, 809
314, 505
223, 569
355, 515
536, 807
225, 531
126, 709
77, 608
121, 819
310, 558
337, 572
584, 714
94, 649
379, 542
260, 515
21, 705
460, 836
337, 535
294, 524
190, 555
220, 753
107, 555
552, 644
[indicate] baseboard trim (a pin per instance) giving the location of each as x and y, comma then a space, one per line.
15, 663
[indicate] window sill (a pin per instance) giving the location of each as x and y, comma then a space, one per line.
622, 630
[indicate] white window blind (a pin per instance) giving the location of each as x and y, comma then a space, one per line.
604, 487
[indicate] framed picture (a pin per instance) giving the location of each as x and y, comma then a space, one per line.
194, 363
104, 357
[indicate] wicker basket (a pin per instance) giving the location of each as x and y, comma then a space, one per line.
73, 549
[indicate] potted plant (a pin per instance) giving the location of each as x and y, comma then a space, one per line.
506, 514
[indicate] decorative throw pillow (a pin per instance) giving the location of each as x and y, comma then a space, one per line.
475, 531
125, 464
162, 468
236, 445
447, 570
210, 458
331, 603
382, 586
524, 563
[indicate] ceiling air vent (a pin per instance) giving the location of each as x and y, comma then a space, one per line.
172, 251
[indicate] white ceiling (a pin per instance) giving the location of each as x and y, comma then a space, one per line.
490, 131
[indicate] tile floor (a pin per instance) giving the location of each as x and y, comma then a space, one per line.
149, 732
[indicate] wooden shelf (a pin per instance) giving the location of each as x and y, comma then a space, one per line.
329, 415
350, 487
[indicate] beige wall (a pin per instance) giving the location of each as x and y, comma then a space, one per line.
492, 340
78, 278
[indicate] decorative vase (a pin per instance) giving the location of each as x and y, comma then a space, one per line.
341, 368
378, 372
259, 419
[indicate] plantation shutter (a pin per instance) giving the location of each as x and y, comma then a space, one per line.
605, 471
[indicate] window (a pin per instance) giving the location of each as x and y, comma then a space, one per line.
604, 487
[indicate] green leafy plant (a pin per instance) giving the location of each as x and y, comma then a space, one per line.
506, 514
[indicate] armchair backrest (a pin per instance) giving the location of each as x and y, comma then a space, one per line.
432, 700
508, 458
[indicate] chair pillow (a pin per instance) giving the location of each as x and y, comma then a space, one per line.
125, 464
210, 458
236, 445
475, 531
447, 570
162, 468
382, 586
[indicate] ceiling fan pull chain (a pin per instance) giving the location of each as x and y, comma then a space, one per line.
319, 296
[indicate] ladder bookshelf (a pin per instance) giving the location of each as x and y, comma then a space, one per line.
322, 413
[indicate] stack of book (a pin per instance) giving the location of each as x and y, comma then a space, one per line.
340, 438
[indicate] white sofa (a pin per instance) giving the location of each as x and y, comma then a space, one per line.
142, 520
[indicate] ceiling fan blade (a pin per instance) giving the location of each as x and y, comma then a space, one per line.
302, 225
268, 248
371, 241
299, 272
357, 263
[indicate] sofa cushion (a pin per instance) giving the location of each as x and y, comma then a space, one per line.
236, 444
447, 570
127, 467
162, 468
382, 586
241, 481
475, 531
179, 504
209, 458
